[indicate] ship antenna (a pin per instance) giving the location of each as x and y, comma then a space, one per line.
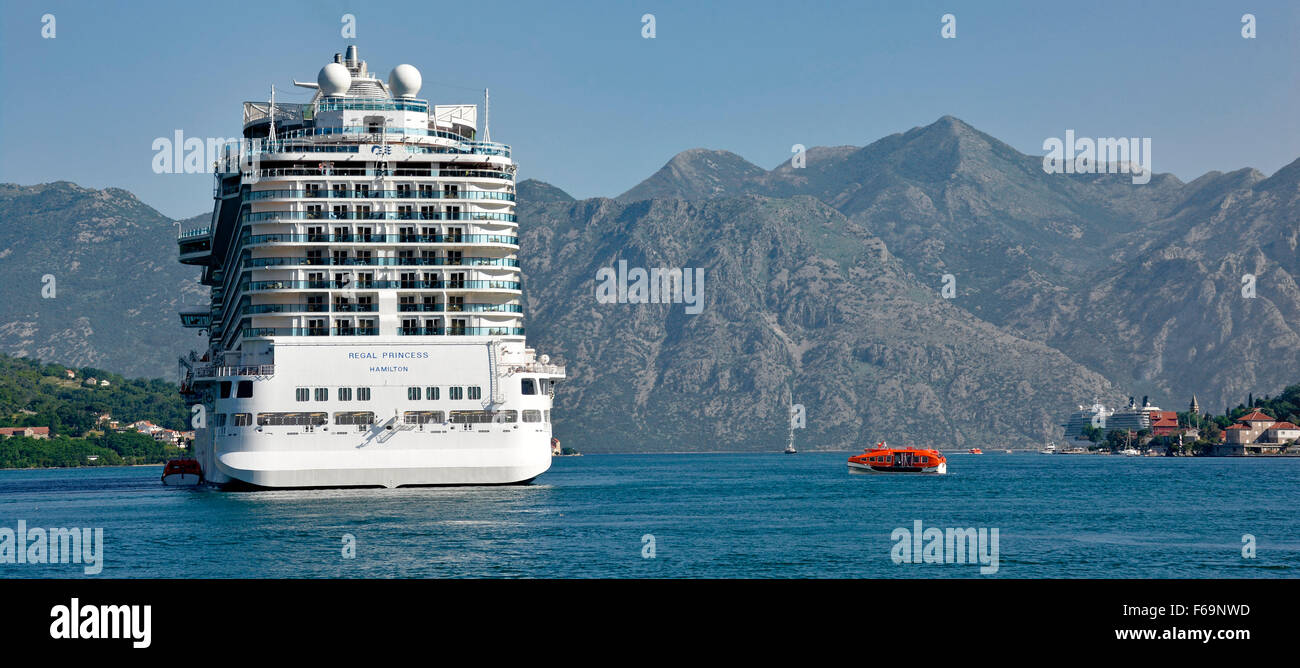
271, 136
487, 115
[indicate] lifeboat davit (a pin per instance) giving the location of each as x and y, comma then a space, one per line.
884, 459
182, 472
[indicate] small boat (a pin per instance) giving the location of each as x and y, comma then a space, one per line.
1049, 449
1129, 452
182, 472
884, 459
789, 447
1010, 452
974, 451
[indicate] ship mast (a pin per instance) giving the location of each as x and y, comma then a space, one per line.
271, 136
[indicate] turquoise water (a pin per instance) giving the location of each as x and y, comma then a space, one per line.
717, 515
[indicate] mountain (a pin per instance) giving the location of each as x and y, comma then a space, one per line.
538, 192
798, 301
1174, 315
1091, 264
90, 279
699, 173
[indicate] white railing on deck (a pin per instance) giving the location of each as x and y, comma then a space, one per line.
535, 367
213, 371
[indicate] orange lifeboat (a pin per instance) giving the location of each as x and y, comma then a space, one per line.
975, 451
884, 459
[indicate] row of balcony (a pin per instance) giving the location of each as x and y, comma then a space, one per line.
377, 215
382, 261
257, 286
259, 309
374, 331
476, 147
324, 170
332, 193
382, 239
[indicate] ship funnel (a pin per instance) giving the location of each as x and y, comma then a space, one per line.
1145, 403
338, 58
352, 55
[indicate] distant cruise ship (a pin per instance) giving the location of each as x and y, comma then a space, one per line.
366, 324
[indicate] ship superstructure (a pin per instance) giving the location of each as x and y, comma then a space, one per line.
366, 320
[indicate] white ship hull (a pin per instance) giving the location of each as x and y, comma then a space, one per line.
391, 451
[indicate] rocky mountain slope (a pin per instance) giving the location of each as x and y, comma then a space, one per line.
798, 301
1092, 264
116, 283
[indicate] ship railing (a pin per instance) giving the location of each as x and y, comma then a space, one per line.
214, 371
534, 367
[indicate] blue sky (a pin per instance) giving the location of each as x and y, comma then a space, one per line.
592, 107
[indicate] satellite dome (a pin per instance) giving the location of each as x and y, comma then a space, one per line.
405, 81
334, 79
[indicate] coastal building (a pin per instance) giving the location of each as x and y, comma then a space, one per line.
1257, 434
1163, 423
30, 432
145, 427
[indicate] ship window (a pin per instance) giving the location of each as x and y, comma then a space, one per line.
225, 389
527, 386
354, 417
245, 389
301, 394
422, 417
220, 420
345, 394
243, 419
363, 394
281, 419
413, 393
431, 393
475, 392
532, 416
322, 394
455, 393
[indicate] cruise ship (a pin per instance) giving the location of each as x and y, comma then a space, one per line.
366, 321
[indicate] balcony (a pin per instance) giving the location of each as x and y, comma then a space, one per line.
216, 371
461, 308
263, 216
263, 332
329, 193
196, 319
461, 331
383, 261
262, 286
418, 239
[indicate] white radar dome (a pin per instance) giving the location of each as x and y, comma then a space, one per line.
405, 81
334, 79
